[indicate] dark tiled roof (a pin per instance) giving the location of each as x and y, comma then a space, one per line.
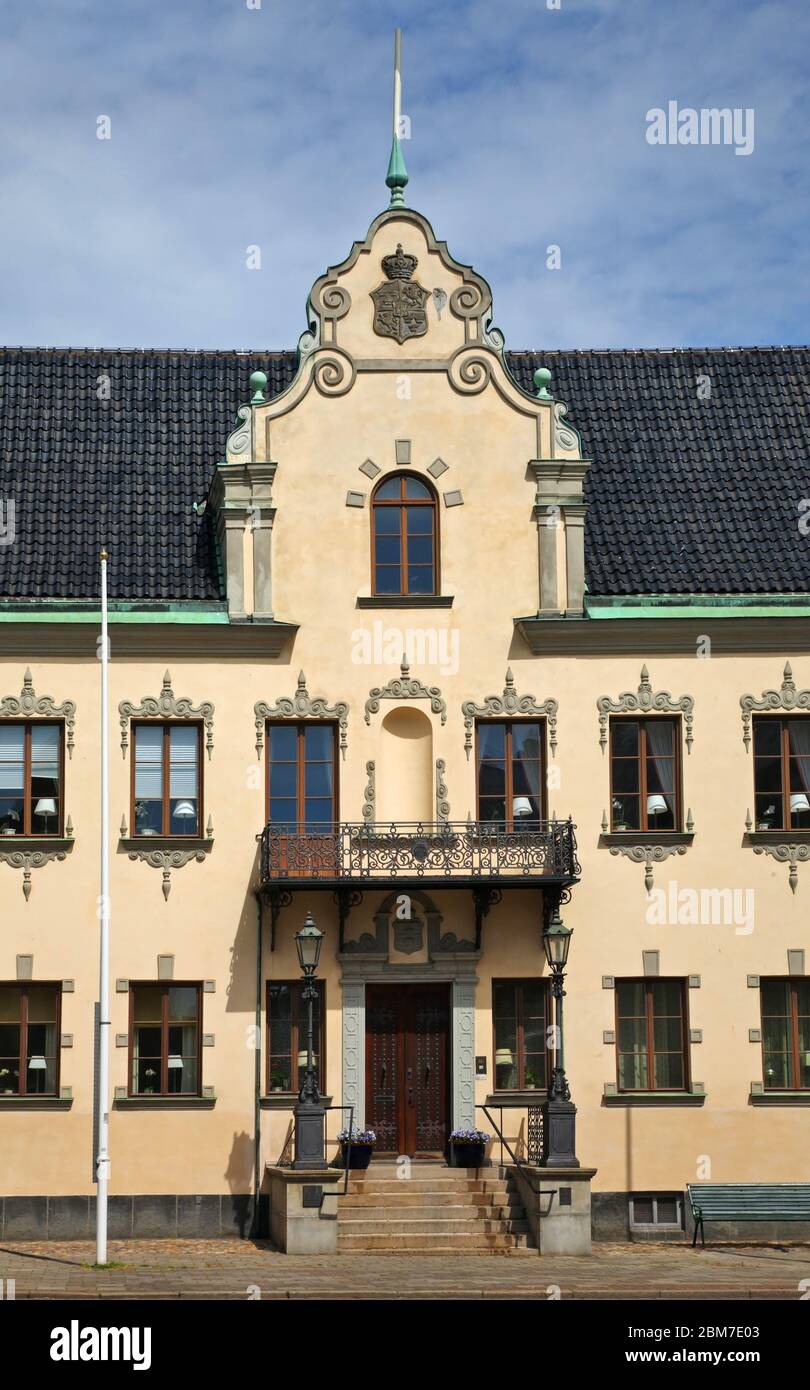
687, 495
690, 495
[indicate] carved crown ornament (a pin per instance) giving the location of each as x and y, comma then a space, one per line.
787, 697
301, 706
33, 706
510, 704
166, 706
405, 687
645, 701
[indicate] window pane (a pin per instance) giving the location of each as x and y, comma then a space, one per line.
491, 741
768, 736
660, 737
624, 738
661, 775
318, 779
526, 740
534, 1000
768, 774
414, 488
283, 779
667, 1211
667, 1035
777, 1070
10, 1004
388, 550
505, 1027
667, 997
669, 1070
41, 1004
283, 742
148, 761
12, 745
148, 1004
625, 775
317, 812
632, 1035
775, 997
283, 812
419, 521
643, 1212
387, 521
420, 551
420, 579
183, 1000
388, 579
492, 779
633, 1072
626, 812
319, 741
183, 749
631, 997
768, 812
392, 487
45, 740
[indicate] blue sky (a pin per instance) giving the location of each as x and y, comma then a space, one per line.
233, 127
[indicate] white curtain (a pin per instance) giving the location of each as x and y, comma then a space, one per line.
799, 737
661, 744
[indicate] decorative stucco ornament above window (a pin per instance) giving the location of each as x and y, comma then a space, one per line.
646, 701
509, 704
787, 698
302, 706
791, 847
33, 706
166, 706
405, 687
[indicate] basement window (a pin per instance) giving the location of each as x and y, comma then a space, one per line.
664, 1210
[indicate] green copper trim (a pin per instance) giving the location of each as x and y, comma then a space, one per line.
120, 611
698, 606
397, 176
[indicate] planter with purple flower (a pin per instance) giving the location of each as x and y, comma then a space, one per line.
467, 1148
357, 1146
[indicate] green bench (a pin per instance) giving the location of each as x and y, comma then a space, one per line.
747, 1201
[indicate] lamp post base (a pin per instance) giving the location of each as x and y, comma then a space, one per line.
309, 1148
559, 1134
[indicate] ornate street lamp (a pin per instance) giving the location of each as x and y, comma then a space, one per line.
559, 1130
309, 1111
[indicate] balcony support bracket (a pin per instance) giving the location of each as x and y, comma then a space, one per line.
484, 898
345, 900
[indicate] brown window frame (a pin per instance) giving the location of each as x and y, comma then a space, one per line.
509, 724
300, 784
402, 502
784, 756
520, 1047
297, 1022
793, 981
644, 828
649, 983
164, 986
167, 725
28, 796
24, 986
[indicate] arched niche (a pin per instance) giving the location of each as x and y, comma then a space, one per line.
405, 767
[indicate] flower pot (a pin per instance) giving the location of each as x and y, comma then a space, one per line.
359, 1155
468, 1155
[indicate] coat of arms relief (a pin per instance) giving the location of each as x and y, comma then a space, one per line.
399, 303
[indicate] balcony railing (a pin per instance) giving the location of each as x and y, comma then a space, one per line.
459, 852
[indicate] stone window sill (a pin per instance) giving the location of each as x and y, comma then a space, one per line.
517, 1100
646, 837
775, 837
779, 1098
162, 842
625, 1099
164, 1102
36, 1102
11, 842
404, 600
284, 1100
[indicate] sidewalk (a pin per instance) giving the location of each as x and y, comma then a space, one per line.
236, 1269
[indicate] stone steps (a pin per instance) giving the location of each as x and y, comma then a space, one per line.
435, 1210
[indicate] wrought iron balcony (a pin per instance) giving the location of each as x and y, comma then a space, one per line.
455, 854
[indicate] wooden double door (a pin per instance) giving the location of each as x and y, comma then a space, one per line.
407, 1060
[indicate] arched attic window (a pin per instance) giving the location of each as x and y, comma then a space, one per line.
404, 537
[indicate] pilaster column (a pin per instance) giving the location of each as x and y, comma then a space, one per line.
232, 539
354, 1050
463, 1054
575, 558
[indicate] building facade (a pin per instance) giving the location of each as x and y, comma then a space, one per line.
411, 651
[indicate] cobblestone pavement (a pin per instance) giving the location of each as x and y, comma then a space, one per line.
236, 1269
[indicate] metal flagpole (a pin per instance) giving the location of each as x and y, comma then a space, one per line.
103, 1154
397, 78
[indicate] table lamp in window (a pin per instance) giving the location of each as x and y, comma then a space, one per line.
45, 807
185, 811
521, 808
655, 805
799, 806
175, 1073
38, 1066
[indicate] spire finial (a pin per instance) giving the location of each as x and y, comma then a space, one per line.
397, 176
